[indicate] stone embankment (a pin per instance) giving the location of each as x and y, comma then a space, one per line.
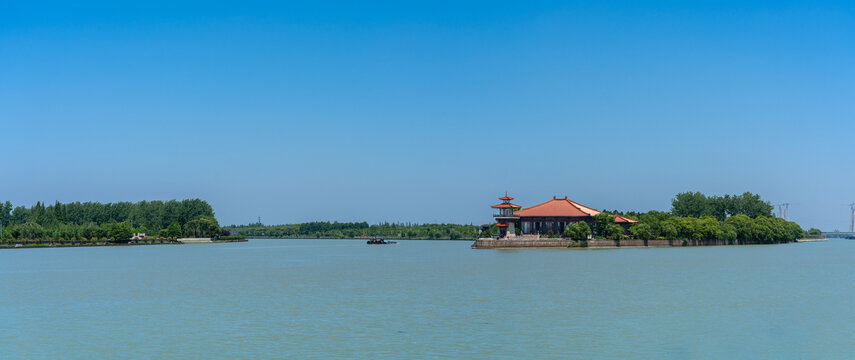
594, 244
512, 244
194, 240
207, 240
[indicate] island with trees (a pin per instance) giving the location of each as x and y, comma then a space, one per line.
695, 219
98, 224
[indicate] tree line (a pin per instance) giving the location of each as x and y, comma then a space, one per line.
344, 230
693, 216
732, 219
93, 222
737, 229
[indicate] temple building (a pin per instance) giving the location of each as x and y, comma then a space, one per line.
549, 217
505, 218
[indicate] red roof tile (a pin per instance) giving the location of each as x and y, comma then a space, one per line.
505, 206
565, 208
623, 219
557, 208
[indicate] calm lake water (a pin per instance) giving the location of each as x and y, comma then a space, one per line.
427, 299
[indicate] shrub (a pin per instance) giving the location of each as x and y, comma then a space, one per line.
614, 231
577, 231
641, 231
602, 224
669, 231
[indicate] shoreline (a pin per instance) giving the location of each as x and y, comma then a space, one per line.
811, 240
602, 244
41, 246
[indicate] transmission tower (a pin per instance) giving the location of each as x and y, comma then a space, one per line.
852, 217
784, 210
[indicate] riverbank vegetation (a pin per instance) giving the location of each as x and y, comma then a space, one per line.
92, 223
813, 233
694, 216
345, 230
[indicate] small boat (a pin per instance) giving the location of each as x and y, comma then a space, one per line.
376, 241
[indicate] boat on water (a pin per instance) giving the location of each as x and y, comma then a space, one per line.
376, 241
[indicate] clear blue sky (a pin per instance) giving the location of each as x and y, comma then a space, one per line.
427, 111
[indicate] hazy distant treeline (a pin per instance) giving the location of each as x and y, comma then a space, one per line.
357, 229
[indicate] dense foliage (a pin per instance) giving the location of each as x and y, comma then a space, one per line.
604, 226
116, 221
339, 230
695, 204
735, 229
730, 218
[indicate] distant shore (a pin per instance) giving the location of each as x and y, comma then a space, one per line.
101, 244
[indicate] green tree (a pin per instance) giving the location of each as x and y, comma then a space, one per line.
583, 230
695, 204
6, 214
764, 230
174, 230
602, 223
121, 231
690, 204
615, 231
669, 231
642, 231
59, 213
569, 231
744, 227
717, 207
577, 231
20, 215
750, 205
202, 227
32, 230
727, 233
707, 228
686, 228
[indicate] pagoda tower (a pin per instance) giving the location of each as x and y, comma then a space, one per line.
506, 219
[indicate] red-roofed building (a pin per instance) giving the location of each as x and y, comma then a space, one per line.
548, 217
505, 218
